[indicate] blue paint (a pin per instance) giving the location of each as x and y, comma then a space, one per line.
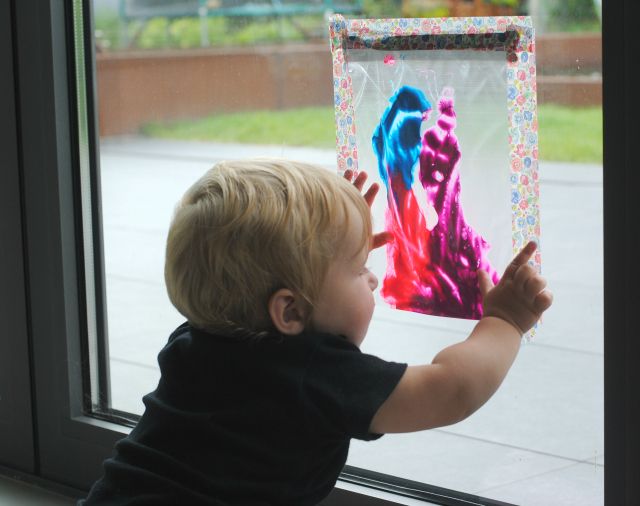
396, 141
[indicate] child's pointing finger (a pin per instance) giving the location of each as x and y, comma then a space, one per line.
520, 259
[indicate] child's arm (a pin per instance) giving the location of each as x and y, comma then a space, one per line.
464, 376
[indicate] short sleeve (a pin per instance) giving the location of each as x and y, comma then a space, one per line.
344, 387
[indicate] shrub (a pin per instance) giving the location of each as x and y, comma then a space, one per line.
382, 8
574, 15
154, 34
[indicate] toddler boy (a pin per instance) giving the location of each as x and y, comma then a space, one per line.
264, 386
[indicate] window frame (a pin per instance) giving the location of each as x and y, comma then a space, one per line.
71, 446
16, 427
621, 244
44, 258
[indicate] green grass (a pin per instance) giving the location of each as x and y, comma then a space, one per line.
569, 134
309, 126
565, 134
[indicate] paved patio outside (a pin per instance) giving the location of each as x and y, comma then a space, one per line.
538, 442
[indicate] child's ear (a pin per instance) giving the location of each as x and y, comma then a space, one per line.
287, 312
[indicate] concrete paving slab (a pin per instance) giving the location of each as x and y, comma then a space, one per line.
211, 153
450, 461
578, 484
571, 223
134, 377
135, 254
138, 338
576, 319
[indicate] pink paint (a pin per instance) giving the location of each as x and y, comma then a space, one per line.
389, 60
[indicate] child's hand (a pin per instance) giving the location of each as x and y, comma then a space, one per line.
381, 238
520, 297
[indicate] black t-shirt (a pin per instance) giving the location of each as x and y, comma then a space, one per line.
249, 422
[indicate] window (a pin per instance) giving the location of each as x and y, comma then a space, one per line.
58, 315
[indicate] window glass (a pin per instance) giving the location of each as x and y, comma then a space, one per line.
182, 84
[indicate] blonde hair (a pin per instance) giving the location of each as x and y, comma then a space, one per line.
248, 228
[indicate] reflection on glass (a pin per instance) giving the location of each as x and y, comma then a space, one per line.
177, 94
